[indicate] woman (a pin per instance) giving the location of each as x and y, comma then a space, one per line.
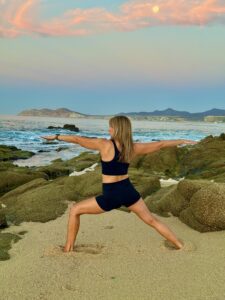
116, 155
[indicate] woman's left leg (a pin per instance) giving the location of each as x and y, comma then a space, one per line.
142, 211
87, 206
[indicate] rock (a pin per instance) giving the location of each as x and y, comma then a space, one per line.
61, 148
58, 167
3, 221
15, 177
205, 160
6, 240
166, 200
187, 187
208, 206
144, 183
70, 127
198, 203
163, 162
40, 200
222, 136
11, 153
41, 151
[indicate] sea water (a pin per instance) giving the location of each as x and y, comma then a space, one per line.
25, 133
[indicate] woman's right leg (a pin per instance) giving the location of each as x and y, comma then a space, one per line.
142, 211
86, 206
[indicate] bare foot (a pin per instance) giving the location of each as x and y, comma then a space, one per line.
180, 244
67, 248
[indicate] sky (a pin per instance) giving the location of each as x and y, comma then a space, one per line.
106, 57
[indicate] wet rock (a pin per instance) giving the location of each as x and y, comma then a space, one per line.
61, 148
3, 221
12, 153
41, 151
222, 136
6, 240
70, 127
59, 168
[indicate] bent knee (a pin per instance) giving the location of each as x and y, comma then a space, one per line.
75, 209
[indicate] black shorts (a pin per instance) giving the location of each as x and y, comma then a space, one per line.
116, 194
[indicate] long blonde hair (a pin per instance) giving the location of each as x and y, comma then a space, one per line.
123, 134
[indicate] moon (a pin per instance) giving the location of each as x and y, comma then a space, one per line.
155, 9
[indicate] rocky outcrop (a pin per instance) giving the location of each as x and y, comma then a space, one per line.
13, 153
42, 200
17, 176
6, 240
58, 167
198, 203
57, 113
70, 127
204, 160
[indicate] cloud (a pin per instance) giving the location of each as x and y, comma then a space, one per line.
20, 17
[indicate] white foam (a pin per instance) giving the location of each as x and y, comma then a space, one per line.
77, 173
168, 182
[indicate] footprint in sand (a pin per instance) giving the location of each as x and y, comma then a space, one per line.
188, 246
55, 250
89, 248
109, 227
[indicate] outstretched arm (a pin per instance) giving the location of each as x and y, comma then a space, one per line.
145, 148
86, 142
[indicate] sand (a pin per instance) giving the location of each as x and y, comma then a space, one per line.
117, 256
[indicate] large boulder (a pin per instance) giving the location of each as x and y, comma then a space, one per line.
13, 153
204, 160
70, 127
208, 206
14, 177
198, 203
144, 183
162, 162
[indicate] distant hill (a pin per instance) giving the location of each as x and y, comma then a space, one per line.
169, 114
45, 112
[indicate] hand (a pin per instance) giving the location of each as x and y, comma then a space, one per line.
49, 138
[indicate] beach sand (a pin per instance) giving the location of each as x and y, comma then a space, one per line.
117, 256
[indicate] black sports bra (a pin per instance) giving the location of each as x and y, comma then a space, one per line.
114, 167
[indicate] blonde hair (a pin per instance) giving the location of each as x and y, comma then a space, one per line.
123, 134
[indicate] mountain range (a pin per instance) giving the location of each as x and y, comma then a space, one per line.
213, 114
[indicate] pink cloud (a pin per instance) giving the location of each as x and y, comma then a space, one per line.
20, 17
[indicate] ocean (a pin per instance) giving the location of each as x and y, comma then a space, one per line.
24, 133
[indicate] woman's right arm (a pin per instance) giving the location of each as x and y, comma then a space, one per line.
84, 141
145, 148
